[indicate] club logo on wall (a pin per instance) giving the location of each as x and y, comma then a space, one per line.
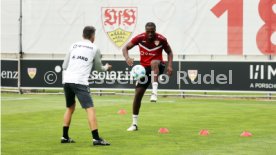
192, 74
119, 23
31, 72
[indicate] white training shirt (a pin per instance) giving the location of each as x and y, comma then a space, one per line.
79, 61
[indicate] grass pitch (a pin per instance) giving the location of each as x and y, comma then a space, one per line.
32, 124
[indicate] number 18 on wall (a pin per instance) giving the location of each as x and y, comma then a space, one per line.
234, 10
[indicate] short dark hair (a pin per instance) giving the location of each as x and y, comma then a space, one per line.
150, 24
88, 31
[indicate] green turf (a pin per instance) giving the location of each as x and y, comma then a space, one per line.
32, 124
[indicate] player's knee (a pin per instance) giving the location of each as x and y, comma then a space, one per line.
155, 63
72, 108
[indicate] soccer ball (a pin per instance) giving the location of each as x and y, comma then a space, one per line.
137, 72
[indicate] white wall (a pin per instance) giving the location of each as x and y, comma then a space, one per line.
50, 26
10, 26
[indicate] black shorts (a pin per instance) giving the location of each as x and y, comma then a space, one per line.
81, 91
145, 82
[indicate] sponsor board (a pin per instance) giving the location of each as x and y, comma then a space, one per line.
41, 73
9, 73
191, 75
241, 76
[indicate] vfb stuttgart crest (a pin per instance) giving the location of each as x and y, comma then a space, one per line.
31, 72
192, 74
119, 23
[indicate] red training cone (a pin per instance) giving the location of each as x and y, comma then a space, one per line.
163, 130
122, 112
246, 134
204, 132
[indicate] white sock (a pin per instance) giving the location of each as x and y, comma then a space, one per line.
154, 87
135, 119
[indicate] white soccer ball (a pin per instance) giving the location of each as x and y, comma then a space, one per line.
137, 72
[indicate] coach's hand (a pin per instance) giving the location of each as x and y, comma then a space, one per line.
129, 61
108, 66
169, 70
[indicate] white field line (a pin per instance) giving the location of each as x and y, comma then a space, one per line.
14, 99
116, 100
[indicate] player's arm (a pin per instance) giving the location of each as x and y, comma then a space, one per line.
169, 52
66, 61
127, 47
98, 63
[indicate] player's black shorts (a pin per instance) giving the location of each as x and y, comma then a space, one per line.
145, 82
81, 91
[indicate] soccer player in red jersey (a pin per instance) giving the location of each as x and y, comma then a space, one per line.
151, 45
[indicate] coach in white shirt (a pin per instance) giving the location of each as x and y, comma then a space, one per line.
77, 65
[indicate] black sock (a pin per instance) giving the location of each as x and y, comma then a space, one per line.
95, 134
65, 132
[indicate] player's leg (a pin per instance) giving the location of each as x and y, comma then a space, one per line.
83, 95
154, 77
140, 90
92, 121
68, 115
139, 93
66, 124
155, 69
91, 116
70, 104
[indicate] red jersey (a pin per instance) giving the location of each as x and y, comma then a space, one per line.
150, 50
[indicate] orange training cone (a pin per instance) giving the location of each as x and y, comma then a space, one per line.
122, 112
204, 132
163, 130
246, 134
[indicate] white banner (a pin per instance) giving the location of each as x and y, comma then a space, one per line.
196, 27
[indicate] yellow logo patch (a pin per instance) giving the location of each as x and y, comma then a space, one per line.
119, 36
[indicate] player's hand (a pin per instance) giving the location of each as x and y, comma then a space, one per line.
129, 61
108, 66
169, 70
